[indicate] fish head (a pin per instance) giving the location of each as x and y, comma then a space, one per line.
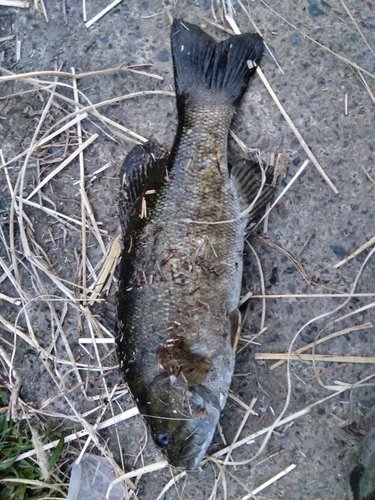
182, 420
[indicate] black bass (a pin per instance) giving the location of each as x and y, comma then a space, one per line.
183, 234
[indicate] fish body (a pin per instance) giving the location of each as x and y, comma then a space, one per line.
181, 271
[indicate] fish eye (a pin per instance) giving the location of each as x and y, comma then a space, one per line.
163, 439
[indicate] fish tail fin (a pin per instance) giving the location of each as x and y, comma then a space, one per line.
200, 63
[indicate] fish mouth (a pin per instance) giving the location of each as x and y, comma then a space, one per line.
186, 445
191, 453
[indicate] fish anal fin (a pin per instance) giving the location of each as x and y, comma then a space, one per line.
247, 177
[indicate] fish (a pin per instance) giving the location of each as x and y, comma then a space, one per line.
184, 216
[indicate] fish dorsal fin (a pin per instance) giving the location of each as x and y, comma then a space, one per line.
247, 177
143, 173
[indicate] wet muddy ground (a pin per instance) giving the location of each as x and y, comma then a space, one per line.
323, 78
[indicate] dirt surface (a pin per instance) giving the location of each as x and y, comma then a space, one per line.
330, 103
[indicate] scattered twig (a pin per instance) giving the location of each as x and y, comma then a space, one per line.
102, 13
314, 357
359, 250
324, 339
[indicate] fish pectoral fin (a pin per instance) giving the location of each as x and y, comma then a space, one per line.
191, 368
176, 358
194, 368
142, 176
235, 327
248, 179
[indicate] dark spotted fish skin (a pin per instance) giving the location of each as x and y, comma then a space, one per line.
181, 270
